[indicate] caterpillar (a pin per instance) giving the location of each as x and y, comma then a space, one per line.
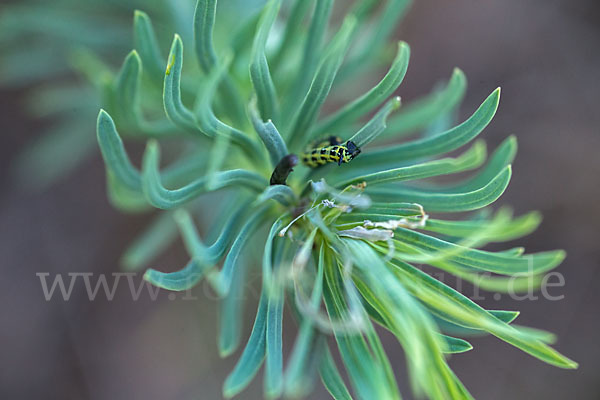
329, 150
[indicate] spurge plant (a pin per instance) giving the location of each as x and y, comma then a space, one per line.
343, 244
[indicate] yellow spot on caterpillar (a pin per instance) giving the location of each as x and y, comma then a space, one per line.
171, 63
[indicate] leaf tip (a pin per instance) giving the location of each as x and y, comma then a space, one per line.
535, 217
403, 46
458, 74
103, 114
139, 14
134, 54
150, 276
560, 256
572, 364
225, 351
152, 145
496, 94
228, 389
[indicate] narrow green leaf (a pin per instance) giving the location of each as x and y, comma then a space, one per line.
459, 308
259, 68
515, 251
421, 112
296, 381
422, 285
269, 135
123, 198
368, 101
456, 345
321, 84
533, 333
376, 125
376, 38
478, 259
292, 30
438, 144
368, 376
126, 100
362, 9
331, 378
501, 284
243, 36
231, 316
446, 202
145, 42
205, 117
390, 17
202, 257
184, 279
454, 308
281, 193
539, 334
90, 66
204, 21
176, 111
471, 159
393, 209
444, 122
267, 263
504, 315
507, 228
210, 255
253, 355
311, 54
217, 156
114, 154
410, 323
161, 197
274, 356
221, 280
154, 240
229, 283
126, 88
503, 156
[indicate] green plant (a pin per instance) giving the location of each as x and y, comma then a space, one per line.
343, 241
61, 56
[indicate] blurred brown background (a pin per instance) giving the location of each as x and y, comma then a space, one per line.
545, 56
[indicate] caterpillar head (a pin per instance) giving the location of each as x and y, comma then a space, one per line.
353, 149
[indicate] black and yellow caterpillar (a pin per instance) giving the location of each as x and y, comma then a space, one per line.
329, 150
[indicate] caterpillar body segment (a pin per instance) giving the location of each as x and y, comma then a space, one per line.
329, 150
326, 142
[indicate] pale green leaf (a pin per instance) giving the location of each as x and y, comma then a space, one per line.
308, 112
368, 101
421, 112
